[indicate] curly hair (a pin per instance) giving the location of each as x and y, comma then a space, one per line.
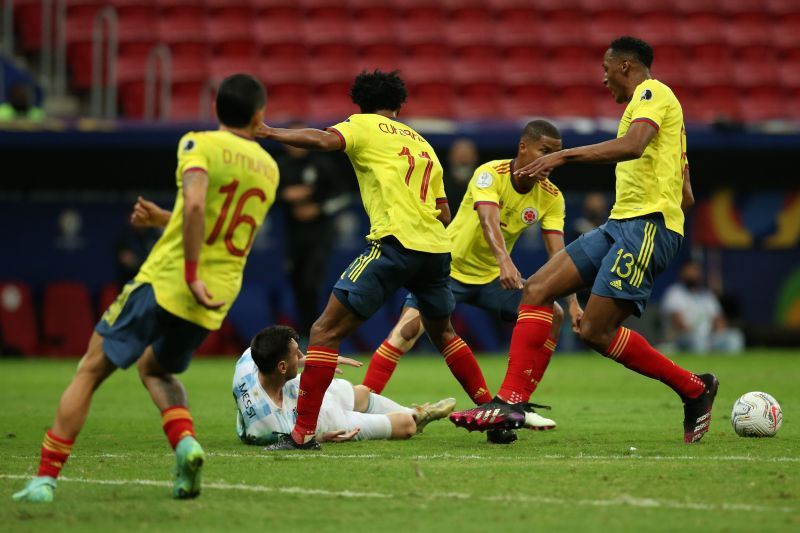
636, 48
372, 91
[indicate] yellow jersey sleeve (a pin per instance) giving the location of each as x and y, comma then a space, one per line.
191, 154
553, 218
351, 134
485, 187
650, 105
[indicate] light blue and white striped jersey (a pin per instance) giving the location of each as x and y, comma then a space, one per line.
258, 415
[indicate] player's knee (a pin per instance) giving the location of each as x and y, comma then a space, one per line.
595, 336
410, 330
535, 291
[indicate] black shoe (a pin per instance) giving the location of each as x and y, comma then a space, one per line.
501, 436
697, 411
286, 442
496, 414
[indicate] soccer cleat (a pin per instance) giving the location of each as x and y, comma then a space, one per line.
697, 411
285, 442
40, 489
189, 459
427, 413
501, 436
537, 422
496, 414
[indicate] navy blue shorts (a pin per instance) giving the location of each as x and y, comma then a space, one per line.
135, 321
621, 258
491, 297
384, 267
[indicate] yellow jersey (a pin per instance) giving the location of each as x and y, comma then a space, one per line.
654, 182
473, 261
242, 179
400, 180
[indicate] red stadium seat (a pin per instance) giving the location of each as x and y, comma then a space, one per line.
327, 26
564, 28
748, 29
735, 7
604, 27
28, 24
756, 66
478, 101
331, 63
764, 103
525, 100
573, 65
475, 67
67, 319
424, 69
430, 100
282, 70
279, 25
224, 341
223, 66
699, 29
573, 102
521, 26
287, 101
465, 23
383, 56
657, 28
232, 32
789, 71
670, 64
189, 62
18, 332
786, 31
108, 293
605, 106
374, 24
694, 6
782, 7
182, 24
711, 104
793, 104
522, 64
712, 65
421, 24
331, 102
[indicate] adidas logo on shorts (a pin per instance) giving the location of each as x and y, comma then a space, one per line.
617, 284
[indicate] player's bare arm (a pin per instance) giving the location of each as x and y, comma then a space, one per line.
195, 186
445, 217
687, 201
489, 215
147, 214
554, 243
630, 146
308, 138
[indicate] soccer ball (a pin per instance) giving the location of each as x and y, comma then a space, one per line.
756, 414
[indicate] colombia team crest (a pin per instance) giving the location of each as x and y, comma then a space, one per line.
529, 215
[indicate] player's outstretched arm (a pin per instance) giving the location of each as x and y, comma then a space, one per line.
489, 215
630, 146
308, 138
195, 186
147, 214
554, 243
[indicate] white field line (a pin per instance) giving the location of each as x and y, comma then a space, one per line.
448, 456
621, 501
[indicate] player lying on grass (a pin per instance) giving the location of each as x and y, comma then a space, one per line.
620, 259
497, 208
266, 384
400, 180
161, 316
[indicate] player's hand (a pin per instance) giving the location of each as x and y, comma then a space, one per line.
347, 361
510, 278
147, 214
262, 131
541, 167
203, 297
575, 315
339, 435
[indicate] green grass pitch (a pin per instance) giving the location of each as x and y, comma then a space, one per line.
582, 476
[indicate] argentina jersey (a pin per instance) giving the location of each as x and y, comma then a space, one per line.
258, 416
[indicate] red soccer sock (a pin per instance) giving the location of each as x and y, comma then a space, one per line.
539, 367
527, 346
177, 423
314, 381
632, 350
55, 452
381, 367
464, 366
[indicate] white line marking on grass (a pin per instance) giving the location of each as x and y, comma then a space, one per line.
621, 501
546, 457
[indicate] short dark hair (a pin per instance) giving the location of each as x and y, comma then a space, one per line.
238, 98
372, 91
536, 129
270, 346
636, 48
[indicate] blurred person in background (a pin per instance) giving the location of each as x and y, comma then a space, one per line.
593, 214
311, 195
462, 160
20, 105
694, 318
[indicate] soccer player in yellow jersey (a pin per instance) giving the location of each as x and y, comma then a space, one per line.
226, 184
497, 207
619, 259
400, 180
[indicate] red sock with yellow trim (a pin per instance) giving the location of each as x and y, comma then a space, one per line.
527, 346
465, 368
177, 423
314, 381
55, 452
381, 367
540, 362
634, 352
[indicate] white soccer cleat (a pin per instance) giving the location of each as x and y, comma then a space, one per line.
428, 413
537, 422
